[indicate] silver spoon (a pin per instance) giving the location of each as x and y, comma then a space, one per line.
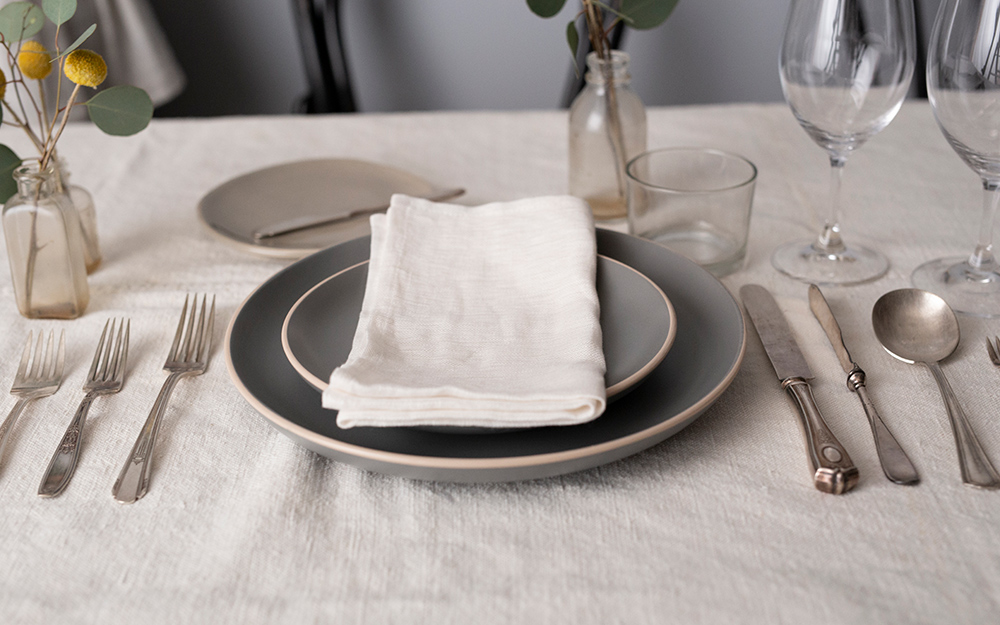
919, 327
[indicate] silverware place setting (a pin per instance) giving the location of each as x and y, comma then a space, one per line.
40, 374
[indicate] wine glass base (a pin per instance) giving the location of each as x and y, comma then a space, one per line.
966, 290
801, 260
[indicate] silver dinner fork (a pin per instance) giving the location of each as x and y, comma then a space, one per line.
994, 352
107, 376
37, 376
188, 357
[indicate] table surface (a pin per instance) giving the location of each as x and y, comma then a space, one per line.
718, 524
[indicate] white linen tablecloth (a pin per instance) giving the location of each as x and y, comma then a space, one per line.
718, 524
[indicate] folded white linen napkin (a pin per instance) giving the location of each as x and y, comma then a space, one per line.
476, 316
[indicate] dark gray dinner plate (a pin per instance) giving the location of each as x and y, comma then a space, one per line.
704, 359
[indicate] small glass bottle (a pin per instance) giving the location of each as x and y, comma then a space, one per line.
607, 127
83, 202
45, 247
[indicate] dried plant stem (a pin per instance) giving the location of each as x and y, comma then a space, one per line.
27, 129
59, 74
43, 113
599, 41
50, 144
29, 282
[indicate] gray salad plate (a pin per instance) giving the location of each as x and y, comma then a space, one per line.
703, 361
638, 325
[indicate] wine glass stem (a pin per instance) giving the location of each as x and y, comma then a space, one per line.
982, 259
829, 240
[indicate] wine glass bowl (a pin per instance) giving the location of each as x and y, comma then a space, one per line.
963, 86
845, 68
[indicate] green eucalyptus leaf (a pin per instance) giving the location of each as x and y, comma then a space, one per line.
646, 14
546, 8
20, 20
8, 163
59, 11
79, 41
121, 111
572, 38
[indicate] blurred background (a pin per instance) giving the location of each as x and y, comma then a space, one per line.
245, 56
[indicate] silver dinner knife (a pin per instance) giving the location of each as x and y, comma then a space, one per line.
306, 222
833, 471
895, 463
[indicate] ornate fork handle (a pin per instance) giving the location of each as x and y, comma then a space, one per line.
133, 481
63, 463
8, 423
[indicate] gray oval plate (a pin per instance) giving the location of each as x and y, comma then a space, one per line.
704, 360
637, 324
235, 209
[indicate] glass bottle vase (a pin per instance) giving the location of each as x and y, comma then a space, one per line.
45, 247
607, 128
83, 202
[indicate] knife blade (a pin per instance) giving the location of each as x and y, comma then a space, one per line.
895, 463
306, 222
833, 471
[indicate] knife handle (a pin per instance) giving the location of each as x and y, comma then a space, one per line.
895, 463
833, 471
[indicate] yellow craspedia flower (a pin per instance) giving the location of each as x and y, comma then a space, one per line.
85, 67
35, 62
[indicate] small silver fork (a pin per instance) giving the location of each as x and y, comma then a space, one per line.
107, 376
994, 352
188, 357
36, 377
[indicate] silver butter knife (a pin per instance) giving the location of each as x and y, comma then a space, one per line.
306, 222
833, 471
895, 463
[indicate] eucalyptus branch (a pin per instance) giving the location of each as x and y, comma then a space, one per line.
51, 142
27, 129
14, 71
43, 112
59, 74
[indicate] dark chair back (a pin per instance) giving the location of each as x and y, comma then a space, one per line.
319, 29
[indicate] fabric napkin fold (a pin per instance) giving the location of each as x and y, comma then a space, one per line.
476, 316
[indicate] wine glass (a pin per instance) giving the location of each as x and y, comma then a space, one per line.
845, 68
963, 84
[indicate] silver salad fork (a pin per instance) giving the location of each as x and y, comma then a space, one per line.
107, 376
188, 357
37, 376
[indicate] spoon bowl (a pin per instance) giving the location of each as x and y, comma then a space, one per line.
919, 327
915, 325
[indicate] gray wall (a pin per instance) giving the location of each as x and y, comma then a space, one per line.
242, 56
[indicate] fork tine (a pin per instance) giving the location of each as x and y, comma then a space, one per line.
180, 330
189, 332
112, 367
61, 359
112, 372
122, 351
106, 366
97, 353
35, 370
22, 369
49, 364
208, 332
199, 335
